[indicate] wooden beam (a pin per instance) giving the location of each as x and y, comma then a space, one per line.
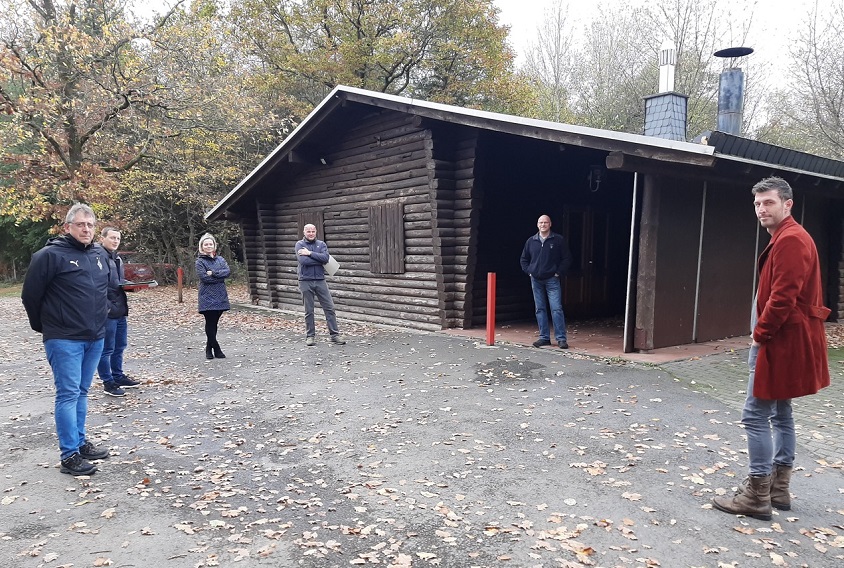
723, 171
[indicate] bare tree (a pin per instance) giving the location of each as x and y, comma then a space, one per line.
615, 68
549, 63
601, 74
819, 91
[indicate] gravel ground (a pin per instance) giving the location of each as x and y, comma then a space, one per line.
397, 449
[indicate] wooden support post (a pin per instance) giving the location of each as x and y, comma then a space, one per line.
490, 308
180, 274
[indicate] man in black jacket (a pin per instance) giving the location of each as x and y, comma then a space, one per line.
110, 367
546, 258
65, 296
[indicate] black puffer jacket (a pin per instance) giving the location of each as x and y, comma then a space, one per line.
65, 291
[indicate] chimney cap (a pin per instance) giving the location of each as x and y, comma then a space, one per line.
733, 52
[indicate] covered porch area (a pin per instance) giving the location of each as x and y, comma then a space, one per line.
603, 338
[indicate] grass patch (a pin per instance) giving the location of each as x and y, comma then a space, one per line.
10, 289
836, 356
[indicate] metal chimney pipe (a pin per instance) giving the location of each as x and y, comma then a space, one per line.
731, 91
667, 64
731, 100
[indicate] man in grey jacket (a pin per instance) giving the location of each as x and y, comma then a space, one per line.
312, 255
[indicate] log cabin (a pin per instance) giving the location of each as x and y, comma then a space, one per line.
419, 201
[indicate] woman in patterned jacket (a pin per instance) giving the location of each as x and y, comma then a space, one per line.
212, 271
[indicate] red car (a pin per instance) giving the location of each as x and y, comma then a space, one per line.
138, 275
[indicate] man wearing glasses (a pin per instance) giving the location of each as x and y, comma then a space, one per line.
65, 294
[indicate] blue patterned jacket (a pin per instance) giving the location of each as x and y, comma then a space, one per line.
212, 289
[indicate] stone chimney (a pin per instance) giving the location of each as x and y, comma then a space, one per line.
665, 112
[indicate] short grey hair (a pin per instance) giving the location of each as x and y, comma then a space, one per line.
776, 183
79, 208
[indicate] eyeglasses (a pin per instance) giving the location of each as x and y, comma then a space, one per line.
83, 225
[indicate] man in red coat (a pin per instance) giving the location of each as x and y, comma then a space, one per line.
788, 357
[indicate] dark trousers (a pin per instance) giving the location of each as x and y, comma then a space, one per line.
212, 318
318, 289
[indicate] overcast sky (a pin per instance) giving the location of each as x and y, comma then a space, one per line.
769, 34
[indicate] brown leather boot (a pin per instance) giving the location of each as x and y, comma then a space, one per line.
780, 495
752, 500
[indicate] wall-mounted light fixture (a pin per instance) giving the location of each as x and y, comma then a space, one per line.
597, 174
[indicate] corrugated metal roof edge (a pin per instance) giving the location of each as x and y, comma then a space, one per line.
775, 166
727, 146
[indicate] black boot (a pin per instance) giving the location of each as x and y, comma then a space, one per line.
218, 353
208, 353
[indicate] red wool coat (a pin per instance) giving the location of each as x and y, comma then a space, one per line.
793, 359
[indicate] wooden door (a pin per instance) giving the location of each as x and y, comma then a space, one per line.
586, 285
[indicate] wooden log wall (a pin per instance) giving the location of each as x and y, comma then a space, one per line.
454, 223
254, 258
386, 158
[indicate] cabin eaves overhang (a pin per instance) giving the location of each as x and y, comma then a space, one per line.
631, 151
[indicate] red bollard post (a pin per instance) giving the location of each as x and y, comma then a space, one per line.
490, 308
180, 275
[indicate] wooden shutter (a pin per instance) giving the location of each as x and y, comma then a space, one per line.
386, 238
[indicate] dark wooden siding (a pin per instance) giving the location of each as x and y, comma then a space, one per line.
455, 222
837, 282
310, 217
254, 262
261, 258
668, 252
385, 159
728, 263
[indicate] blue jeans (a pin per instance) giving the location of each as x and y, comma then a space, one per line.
318, 289
73, 362
110, 366
770, 428
547, 292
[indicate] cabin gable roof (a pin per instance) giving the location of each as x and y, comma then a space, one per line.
344, 105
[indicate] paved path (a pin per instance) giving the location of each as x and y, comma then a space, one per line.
405, 450
819, 419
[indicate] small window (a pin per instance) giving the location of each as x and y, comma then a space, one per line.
386, 238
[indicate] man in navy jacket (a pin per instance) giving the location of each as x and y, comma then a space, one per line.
546, 258
65, 296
